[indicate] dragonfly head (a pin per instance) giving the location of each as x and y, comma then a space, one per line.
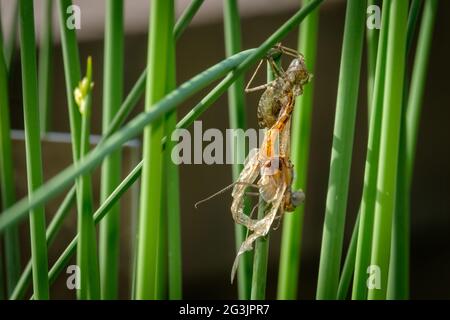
298, 75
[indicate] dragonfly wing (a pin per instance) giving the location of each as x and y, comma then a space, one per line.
285, 143
247, 177
261, 229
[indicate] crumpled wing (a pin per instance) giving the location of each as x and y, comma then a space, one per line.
248, 176
261, 229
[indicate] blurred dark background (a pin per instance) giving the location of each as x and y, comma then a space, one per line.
207, 233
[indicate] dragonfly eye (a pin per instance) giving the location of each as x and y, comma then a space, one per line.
297, 198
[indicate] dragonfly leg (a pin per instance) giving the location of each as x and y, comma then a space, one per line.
290, 52
257, 88
277, 70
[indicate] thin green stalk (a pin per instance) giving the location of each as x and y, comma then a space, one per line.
72, 74
8, 195
390, 135
160, 34
412, 23
398, 284
33, 149
186, 17
170, 196
369, 196
261, 254
237, 120
372, 35
239, 62
260, 259
398, 281
109, 242
172, 189
349, 263
341, 156
161, 286
46, 66
52, 230
417, 88
291, 238
87, 251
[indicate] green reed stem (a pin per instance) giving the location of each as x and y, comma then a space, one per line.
301, 132
398, 284
390, 135
237, 120
7, 184
87, 259
349, 263
170, 192
186, 17
372, 36
109, 242
46, 66
398, 281
172, 187
72, 74
260, 260
418, 80
160, 34
341, 156
33, 148
369, 196
412, 23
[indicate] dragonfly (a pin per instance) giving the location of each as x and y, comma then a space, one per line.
268, 169
271, 162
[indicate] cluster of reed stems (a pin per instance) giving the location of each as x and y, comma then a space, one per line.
381, 232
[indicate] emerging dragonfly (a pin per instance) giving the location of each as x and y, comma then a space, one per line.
271, 162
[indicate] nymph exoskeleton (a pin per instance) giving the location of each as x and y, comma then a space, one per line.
269, 168
271, 163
